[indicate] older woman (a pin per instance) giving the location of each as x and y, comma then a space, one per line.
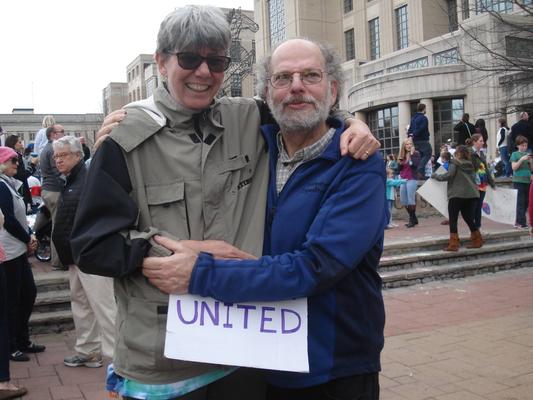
23, 171
17, 241
185, 163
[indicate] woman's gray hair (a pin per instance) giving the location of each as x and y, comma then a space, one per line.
3, 166
192, 28
71, 141
332, 64
48, 121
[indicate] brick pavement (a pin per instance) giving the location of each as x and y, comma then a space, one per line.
466, 339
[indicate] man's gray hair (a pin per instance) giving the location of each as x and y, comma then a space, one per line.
71, 141
332, 64
192, 28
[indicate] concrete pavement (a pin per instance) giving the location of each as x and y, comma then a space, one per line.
465, 339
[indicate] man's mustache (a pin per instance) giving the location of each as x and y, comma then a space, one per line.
299, 99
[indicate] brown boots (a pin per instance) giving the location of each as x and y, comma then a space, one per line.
454, 243
476, 241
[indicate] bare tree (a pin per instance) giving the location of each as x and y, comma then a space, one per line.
498, 46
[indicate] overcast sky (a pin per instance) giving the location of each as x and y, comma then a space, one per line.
56, 56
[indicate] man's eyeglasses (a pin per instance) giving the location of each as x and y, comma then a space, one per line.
308, 77
59, 156
14, 160
191, 61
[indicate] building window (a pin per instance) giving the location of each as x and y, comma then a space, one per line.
452, 16
384, 125
402, 32
276, 15
518, 47
446, 114
236, 86
415, 64
498, 6
466, 9
349, 42
373, 32
348, 6
446, 57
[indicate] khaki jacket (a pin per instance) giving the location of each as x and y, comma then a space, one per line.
195, 186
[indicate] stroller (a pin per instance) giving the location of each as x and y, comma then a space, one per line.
40, 221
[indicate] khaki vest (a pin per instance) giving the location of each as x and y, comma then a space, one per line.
215, 189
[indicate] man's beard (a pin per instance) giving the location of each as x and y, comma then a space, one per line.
300, 121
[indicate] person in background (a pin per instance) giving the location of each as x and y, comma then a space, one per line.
392, 164
523, 127
86, 150
419, 132
464, 129
17, 242
24, 171
52, 182
522, 165
92, 296
483, 176
409, 159
462, 195
392, 183
479, 127
40, 136
503, 146
7, 389
445, 158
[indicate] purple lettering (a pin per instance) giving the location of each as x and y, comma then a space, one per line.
246, 308
180, 315
283, 318
204, 307
264, 318
227, 324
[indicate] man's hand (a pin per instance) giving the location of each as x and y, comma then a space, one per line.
32, 245
219, 249
171, 274
358, 141
110, 122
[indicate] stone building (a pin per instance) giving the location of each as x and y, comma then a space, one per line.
27, 124
398, 53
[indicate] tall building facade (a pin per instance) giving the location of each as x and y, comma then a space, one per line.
398, 53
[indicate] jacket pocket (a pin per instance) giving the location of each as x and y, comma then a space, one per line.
137, 330
168, 208
237, 172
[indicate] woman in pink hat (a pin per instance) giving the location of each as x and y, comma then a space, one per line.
17, 241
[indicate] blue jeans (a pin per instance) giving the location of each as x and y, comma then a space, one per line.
522, 200
504, 153
425, 150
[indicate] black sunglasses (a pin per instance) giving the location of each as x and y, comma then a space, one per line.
14, 160
190, 61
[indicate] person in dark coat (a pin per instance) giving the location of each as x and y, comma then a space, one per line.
522, 128
464, 129
24, 170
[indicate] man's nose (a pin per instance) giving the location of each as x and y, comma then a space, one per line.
297, 84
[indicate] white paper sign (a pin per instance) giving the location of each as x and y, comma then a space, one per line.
435, 193
270, 335
500, 205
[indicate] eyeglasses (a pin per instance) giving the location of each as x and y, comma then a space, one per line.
62, 155
14, 160
308, 77
191, 61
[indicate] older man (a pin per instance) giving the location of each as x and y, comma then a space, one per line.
51, 182
92, 297
522, 127
326, 218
